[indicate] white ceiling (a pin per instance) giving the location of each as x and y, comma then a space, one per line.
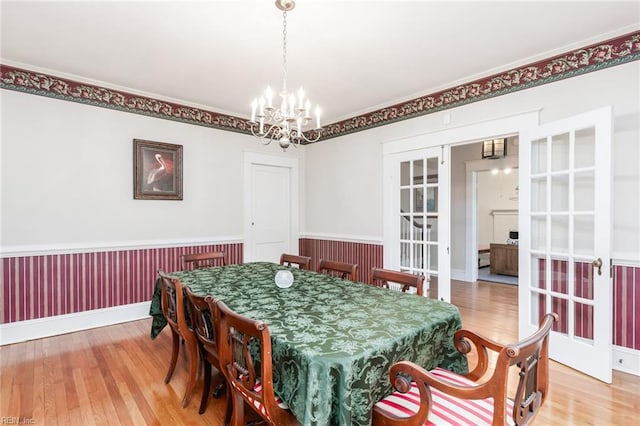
350, 56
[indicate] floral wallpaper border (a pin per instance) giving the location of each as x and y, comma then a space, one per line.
598, 56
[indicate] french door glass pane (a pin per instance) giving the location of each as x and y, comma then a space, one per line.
560, 307
584, 191
560, 152
405, 199
418, 200
418, 172
418, 256
432, 200
585, 149
538, 232
432, 228
432, 251
418, 228
560, 193
432, 170
583, 235
404, 173
405, 227
583, 321
405, 255
539, 156
560, 234
559, 276
539, 194
583, 274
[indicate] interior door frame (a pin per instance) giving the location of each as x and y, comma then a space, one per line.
472, 170
460, 135
250, 159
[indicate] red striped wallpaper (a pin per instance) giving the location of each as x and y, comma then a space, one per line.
43, 286
626, 306
365, 255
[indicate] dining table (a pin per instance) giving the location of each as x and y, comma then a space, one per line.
333, 340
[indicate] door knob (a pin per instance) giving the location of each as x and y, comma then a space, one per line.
598, 264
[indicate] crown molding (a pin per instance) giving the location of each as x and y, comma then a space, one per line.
597, 56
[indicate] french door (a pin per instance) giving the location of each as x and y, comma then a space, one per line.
417, 217
565, 202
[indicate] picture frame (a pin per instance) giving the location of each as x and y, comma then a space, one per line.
157, 170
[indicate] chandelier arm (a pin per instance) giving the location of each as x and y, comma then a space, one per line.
272, 133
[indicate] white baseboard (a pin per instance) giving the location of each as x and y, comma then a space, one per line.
22, 331
458, 274
626, 360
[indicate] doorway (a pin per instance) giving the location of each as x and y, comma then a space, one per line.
271, 207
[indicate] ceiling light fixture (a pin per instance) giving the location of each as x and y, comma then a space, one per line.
284, 123
494, 148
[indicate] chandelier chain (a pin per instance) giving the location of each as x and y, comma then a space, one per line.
284, 51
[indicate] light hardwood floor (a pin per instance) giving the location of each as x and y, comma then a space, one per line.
114, 375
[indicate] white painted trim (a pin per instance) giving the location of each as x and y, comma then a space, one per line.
50, 249
625, 259
465, 133
292, 163
22, 331
343, 237
626, 360
458, 275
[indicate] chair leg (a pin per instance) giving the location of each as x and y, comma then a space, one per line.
229, 410
192, 346
207, 385
237, 419
175, 348
219, 390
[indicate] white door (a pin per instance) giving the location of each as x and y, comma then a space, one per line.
271, 214
565, 201
417, 217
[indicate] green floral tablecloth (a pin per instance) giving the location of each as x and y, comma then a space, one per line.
333, 340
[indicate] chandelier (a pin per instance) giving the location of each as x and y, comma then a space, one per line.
285, 122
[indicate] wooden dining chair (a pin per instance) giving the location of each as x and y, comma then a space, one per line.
401, 281
303, 262
440, 396
173, 309
204, 260
255, 388
206, 325
338, 269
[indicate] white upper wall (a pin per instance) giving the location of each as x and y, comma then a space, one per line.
67, 169
335, 169
67, 177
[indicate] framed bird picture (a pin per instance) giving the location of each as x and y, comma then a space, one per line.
157, 170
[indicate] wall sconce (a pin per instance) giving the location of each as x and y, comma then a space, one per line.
494, 148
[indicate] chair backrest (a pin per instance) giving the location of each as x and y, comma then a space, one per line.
530, 356
238, 335
382, 277
338, 269
205, 323
204, 260
303, 262
172, 300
